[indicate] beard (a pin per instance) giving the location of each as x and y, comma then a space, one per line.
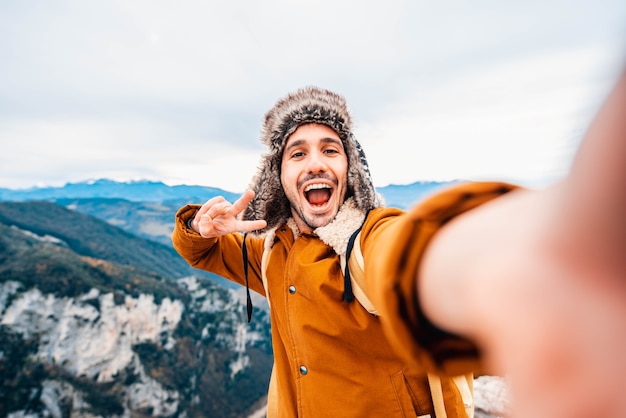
313, 222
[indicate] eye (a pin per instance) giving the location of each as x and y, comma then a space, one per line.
297, 154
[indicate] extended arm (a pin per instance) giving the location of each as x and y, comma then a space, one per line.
538, 280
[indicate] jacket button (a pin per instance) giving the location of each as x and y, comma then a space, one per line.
303, 370
292, 289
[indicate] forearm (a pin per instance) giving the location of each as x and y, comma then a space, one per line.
469, 271
538, 280
395, 254
550, 320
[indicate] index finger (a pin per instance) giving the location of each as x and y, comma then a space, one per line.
241, 203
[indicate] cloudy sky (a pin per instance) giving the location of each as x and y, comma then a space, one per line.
176, 91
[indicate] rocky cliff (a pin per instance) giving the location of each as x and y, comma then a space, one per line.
83, 336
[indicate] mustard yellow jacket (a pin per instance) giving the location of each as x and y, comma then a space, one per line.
333, 358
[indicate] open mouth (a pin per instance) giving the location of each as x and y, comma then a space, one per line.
318, 194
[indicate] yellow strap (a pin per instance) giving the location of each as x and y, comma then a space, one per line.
272, 392
264, 260
436, 394
357, 276
465, 384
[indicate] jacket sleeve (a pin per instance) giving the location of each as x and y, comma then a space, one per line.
395, 247
222, 256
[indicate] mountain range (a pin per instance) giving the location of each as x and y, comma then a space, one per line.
145, 191
134, 191
146, 208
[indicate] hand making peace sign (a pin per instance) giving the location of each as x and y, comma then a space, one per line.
219, 217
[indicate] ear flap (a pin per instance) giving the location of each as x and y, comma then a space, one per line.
359, 177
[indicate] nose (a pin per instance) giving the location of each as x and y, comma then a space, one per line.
317, 163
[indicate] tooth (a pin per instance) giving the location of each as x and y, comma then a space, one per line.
316, 186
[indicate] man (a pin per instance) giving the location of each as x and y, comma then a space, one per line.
484, 276
312, 192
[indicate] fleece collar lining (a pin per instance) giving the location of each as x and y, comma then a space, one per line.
336, 234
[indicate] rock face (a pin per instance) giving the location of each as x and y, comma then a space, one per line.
93, 356
92, 341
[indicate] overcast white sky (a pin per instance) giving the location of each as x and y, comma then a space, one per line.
176, 91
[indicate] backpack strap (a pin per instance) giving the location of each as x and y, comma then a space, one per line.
436, 393
272, 392
344, 259
353, 265
354, 275
264, 259
465, 384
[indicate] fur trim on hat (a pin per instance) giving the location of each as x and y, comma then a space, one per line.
307, 105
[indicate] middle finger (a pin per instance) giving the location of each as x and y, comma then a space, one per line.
220, 209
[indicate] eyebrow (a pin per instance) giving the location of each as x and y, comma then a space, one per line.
327, 140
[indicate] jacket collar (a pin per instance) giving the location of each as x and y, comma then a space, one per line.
336, 234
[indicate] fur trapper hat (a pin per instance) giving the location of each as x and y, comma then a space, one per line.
307, 105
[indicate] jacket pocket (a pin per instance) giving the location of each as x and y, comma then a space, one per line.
413, 395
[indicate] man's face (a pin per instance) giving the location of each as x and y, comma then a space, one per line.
314, 173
